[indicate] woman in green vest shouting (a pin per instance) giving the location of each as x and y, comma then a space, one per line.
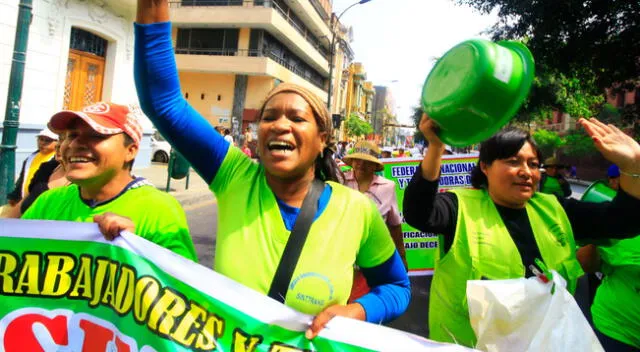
498, 229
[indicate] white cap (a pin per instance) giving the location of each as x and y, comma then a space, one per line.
387, 149
47, 133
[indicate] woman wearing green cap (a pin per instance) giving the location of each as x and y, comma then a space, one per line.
498, 230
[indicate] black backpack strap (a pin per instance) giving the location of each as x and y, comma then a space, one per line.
295, 243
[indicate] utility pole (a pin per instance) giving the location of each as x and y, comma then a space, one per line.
14, 98
332, 51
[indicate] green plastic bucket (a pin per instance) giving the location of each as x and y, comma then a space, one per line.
476, 88
598, 192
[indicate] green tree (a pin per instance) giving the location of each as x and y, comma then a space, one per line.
578, 143
626, 118
357, 127
580, 48
630, 115
416, 116
548, 141
574, 93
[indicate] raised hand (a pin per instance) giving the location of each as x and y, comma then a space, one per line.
615, 145
429, 130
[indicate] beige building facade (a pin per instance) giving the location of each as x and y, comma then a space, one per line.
79, 52
231, 53
359, 94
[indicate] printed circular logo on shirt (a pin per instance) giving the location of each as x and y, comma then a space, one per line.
311, 289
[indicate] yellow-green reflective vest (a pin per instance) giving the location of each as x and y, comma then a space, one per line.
483, 249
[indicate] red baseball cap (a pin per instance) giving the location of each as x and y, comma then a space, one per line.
104, 118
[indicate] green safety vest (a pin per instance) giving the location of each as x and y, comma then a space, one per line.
552, 186
616, 307
483, 249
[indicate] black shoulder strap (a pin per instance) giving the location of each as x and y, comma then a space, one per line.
298, 236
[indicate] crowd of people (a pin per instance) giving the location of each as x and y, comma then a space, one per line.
349, 223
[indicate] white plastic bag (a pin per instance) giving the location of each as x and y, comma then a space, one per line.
523, 315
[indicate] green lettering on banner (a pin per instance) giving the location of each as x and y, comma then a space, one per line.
423, 249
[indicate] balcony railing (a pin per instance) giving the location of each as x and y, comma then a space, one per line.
318, 82
306, 34
206, 3
297, 70
218, 52
310, 38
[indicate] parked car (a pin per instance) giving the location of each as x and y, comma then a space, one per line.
160, 148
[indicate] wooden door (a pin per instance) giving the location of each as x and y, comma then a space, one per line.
83, 86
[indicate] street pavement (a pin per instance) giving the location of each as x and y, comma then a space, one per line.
201, 210
203, 221
197, 192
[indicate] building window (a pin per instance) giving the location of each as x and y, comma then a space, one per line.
206, 41
88, 42
281, 7
267, 45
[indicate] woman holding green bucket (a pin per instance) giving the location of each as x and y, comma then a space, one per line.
503, 228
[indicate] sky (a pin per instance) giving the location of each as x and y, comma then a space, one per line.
397, 40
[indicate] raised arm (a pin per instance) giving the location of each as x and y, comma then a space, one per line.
618, 218
423, 207
158, 87
152, 11
430, 165
620, 149
593, 222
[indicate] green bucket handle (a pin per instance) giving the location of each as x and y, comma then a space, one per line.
598, 192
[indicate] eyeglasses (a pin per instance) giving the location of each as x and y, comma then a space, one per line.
46, 140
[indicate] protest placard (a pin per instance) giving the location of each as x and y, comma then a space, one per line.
423, 248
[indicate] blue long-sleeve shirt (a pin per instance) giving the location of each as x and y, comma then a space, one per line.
160, 98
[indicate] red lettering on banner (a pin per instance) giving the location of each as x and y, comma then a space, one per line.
96, 338
41, 330
19, 335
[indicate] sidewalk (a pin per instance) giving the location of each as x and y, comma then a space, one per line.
198, 191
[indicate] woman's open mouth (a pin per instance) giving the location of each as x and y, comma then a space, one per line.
280, 147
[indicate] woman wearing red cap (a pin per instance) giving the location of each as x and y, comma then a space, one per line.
260, 204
